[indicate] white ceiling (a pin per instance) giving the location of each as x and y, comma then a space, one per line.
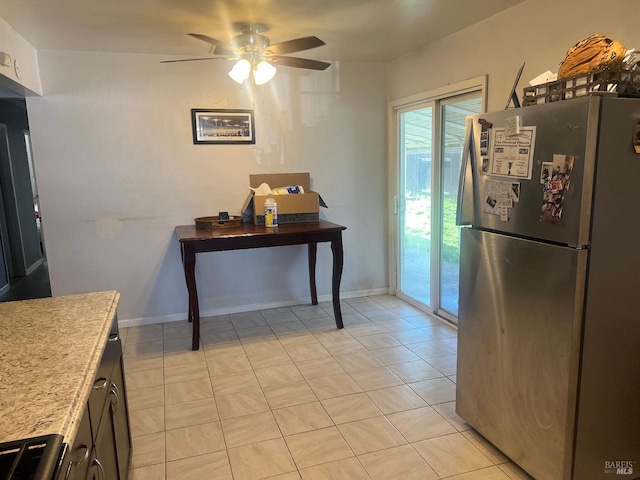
354, 30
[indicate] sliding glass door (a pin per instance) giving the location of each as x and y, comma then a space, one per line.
430, 147
414, 213
453, 112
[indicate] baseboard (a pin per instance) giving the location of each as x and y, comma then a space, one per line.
176, 317
134, 322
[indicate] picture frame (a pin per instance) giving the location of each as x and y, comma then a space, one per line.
222, 126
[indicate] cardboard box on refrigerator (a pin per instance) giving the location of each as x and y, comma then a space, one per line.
292, 208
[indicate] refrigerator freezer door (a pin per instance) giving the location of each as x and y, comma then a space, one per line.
608, 424
567, 128
518, 347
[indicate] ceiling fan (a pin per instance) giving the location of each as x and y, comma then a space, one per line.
254, 53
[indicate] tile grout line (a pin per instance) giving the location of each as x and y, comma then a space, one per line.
307, 330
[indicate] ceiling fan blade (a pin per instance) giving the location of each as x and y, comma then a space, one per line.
222, 48
299, 63
296, 45
195, 59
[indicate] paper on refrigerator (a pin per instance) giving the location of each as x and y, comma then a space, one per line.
499, 197
512, 155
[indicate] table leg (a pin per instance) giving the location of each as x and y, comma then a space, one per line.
189, 262
313, 250
189, 313
336, 248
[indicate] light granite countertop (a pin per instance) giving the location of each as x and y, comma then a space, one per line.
50, 350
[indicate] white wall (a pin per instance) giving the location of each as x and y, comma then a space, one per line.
117, 171
538, 32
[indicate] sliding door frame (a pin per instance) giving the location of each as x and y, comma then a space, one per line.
474, 85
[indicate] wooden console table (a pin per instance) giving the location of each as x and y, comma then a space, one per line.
194, 241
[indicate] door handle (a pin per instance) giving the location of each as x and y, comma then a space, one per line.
466, 153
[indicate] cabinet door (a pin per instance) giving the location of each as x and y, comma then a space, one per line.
105, 449
100, 390
120, 420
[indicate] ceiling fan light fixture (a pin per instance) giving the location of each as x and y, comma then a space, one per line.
263, 72
254, 53
240, 71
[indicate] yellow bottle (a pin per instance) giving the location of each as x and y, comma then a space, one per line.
270, 213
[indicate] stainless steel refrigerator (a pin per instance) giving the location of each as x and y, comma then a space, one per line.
549, 319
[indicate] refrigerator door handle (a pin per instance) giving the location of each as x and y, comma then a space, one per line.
461, 219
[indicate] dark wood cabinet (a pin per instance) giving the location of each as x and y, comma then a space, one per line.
105, 461
119, 414
101, 386
110, 455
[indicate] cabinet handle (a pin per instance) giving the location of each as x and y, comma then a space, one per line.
114, 337
101, 474
116, 394
84, 456
73, 463
100, 383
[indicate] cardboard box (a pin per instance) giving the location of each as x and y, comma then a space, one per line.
293, 208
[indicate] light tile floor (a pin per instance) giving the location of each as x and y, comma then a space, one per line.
282, 394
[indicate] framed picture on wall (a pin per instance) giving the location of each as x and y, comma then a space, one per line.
223, 126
